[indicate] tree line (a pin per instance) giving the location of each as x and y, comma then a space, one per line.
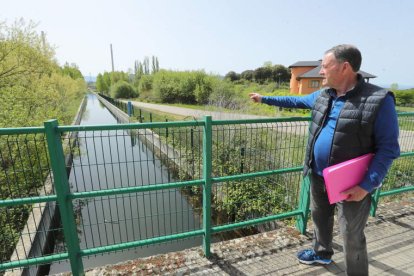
150, 83
33, 86
267, 73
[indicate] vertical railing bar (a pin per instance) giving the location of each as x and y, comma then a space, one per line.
163, 192
57, 161
13, 167
94, 199
141, 148
168, 192
16, 180
147, 153
81, 165
19, 157
38, 161
140, 196
173, 134
31, 165
182, 198
117, 134
187, 152
207, 139
107, 183
155, 179
100, 188
129, 196
135, 178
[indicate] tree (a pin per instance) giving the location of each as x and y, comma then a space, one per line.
394, 87
146, 69
33, 89
118, 76
23, 56
72, 71
32, 85
100, 84
232, 76
155, 65
267, 64
105, 84
262, 74
280, 73
247, 75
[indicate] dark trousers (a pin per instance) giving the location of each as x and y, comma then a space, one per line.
352, 218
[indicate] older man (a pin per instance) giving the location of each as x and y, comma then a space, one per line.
349, 118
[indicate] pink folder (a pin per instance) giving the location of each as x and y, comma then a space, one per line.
345, 175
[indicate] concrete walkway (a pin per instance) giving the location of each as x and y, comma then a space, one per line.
390, 239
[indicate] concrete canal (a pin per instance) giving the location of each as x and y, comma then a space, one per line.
114, 219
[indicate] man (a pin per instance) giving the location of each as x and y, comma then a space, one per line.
349, 118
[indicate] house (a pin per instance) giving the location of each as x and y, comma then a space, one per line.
305, 77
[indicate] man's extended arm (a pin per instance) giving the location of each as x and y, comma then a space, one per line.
305, 102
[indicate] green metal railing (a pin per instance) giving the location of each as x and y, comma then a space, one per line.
233, 173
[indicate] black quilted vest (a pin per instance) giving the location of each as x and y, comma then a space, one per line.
354, 131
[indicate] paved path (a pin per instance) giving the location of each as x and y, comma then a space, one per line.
390, 239
197, 113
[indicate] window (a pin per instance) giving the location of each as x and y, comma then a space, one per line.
314, 84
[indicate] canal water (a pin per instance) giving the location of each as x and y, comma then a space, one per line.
101, 163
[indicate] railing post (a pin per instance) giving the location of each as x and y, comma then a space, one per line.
129, 108
166, 129
374, 202
60, 177
304, 201
207, 168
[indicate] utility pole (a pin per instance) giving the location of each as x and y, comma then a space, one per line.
43, 35
112, 59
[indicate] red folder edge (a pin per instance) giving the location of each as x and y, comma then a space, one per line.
345, 175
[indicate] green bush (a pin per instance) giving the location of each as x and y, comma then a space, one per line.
145, 83
189, 87
404, 97
224, 95
123, 89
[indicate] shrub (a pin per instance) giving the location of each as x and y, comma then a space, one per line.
224, 95
182, 87
145, 83
405, 97
123, 89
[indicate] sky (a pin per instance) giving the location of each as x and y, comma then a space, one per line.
219, 36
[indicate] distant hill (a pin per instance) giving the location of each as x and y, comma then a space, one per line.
400, 86
90, 78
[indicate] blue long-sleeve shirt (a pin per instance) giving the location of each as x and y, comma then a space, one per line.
385, 135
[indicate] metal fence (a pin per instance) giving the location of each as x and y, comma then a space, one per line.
132, 185
142, 115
